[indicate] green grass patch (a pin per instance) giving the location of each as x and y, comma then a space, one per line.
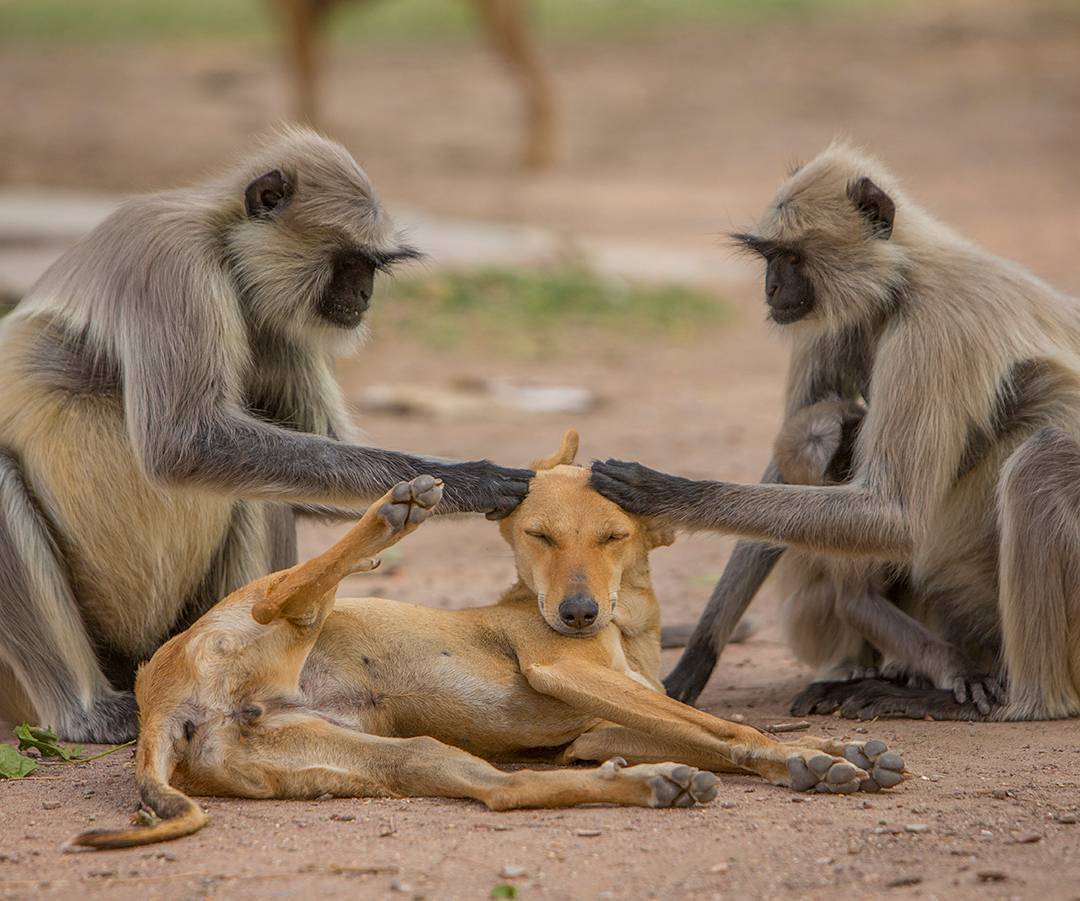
107, 21
524, 312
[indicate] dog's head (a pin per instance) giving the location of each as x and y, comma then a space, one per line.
572, 546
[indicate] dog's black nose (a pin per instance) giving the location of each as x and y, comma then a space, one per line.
578, 611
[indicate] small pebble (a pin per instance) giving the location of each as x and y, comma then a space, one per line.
342, 817
728, 805
991, 875
1067, 818
1027, 838
512, 871
823, 861
1001, 793
50, 805
719, 868
901, 881
798, 799
916, 827
396, 885
587, 833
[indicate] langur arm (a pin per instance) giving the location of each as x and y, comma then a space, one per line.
840, 519
242, 455
183, 348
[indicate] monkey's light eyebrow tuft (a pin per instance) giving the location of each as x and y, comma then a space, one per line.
386, 260
749, 243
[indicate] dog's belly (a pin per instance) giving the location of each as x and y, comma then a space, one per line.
398, 670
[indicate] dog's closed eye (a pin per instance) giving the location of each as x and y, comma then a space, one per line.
541, 536
612, 537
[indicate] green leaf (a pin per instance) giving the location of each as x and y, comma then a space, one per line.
504, 890
45, 741
14, 765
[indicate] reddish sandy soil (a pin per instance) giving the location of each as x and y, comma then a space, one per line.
667, 139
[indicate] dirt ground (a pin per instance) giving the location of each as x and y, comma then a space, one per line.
667, 140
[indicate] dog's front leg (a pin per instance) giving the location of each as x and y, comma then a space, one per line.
698, 738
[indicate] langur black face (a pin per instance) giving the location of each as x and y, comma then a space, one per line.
346, 278
790, 256
348, 295
788, 290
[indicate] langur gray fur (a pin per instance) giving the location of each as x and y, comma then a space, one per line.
967, 463
167, 402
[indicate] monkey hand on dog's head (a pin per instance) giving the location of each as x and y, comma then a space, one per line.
480, 486
639, 490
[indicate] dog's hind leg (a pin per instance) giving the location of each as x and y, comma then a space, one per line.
301, 756
304, 594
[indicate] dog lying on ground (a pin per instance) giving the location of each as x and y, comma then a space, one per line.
279, 691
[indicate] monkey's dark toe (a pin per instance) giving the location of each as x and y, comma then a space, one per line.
873, 699
823, 698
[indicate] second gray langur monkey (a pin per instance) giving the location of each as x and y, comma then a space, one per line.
167, 402
967, 465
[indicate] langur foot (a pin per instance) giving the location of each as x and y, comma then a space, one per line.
823, 698
873, 698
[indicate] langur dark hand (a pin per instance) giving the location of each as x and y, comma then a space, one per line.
640, 490
480, 486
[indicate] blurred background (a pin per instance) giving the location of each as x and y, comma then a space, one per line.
587, 284
571, 168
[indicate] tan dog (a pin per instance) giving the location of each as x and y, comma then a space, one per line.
281, 692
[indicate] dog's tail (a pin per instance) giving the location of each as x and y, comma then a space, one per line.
174, 813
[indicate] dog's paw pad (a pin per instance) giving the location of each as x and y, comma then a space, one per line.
409, 503
817, 771
678, 785
885, 768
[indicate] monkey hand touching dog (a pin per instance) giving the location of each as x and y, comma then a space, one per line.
281, 691
964, 468
167, 389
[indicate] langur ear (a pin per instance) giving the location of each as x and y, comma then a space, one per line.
875, 206
564, 456
267, 194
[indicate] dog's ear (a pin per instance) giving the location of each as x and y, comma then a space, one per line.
564, 456
659, 536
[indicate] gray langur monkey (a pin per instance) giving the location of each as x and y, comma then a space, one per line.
967, 464
168, 403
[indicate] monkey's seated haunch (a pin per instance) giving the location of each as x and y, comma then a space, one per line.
279, 691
